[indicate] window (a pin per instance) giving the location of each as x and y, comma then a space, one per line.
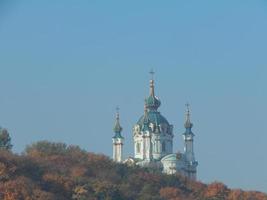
138, 147
163, 146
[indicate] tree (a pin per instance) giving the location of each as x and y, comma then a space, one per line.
216, 191
5, 140
45, 148
57, 171
171, 193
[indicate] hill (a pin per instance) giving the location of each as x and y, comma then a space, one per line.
55, 171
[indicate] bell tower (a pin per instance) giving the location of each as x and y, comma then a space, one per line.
191, 163
117, 139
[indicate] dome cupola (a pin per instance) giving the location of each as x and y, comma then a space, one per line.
117, 127
152, 102
152, 120
188, 125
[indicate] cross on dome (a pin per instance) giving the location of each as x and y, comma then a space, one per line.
152, 74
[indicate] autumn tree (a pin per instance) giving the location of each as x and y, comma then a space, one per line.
171, 193
45, 148
216, 191
57, 171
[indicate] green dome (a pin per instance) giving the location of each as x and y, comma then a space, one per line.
152, 102
188, 125
117, 127
151, 115
154, 117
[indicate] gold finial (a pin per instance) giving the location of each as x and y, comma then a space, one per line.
152, 92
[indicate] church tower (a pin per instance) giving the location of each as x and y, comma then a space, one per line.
152, 134
191, 163
117, 139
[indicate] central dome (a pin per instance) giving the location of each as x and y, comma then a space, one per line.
153, 117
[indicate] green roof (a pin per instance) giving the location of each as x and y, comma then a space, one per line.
118, 135
117, 128
154, 117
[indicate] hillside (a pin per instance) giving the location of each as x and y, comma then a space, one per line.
55, 171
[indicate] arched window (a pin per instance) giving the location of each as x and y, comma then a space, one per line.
138, 147
163, 146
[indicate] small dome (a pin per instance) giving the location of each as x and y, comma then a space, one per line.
117, 127
153, 102
188, 124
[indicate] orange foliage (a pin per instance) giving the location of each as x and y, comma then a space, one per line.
171, 193
56, 171
216, 189
78, 171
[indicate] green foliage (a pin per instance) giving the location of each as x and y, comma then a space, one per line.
45, 148
56, 171
5, 140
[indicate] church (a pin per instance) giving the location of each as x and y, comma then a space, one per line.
153, 141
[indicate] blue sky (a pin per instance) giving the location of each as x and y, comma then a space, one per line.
66, 65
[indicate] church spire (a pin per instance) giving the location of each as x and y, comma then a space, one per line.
191, 168
188, 124
117, 139
117, 128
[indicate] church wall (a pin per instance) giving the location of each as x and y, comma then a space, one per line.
169, 167
117, 149
139, 147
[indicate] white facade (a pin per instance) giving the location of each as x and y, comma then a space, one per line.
151, 145
117, 149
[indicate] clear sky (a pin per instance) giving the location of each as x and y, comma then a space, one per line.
65, 65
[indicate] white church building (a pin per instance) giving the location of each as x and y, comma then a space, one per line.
153, 141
